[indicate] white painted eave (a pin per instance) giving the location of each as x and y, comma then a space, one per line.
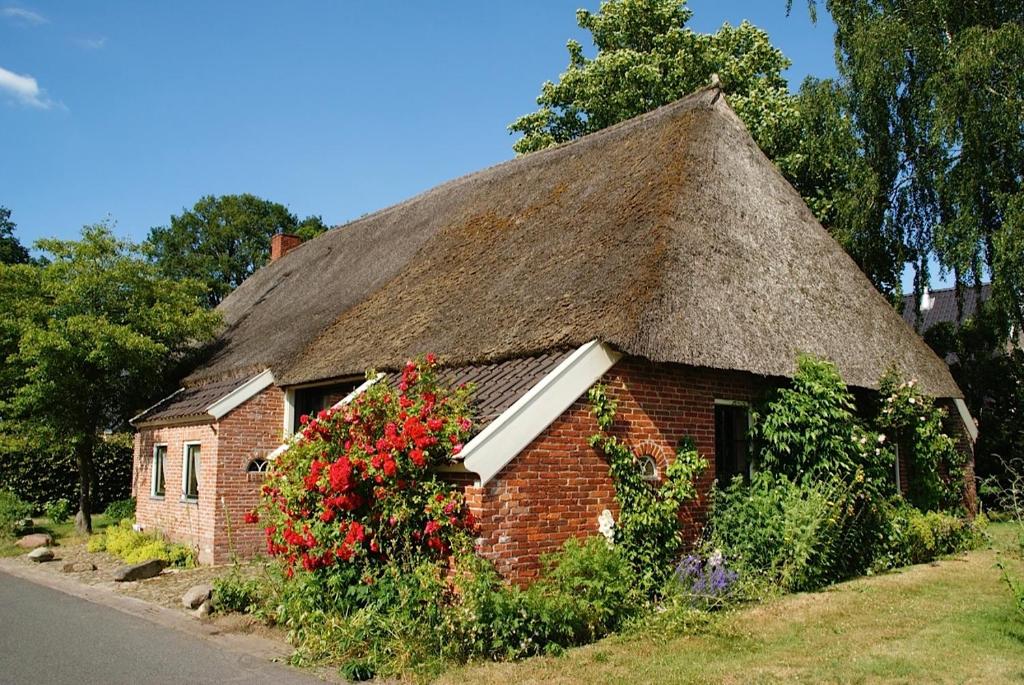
965, 416
243, 393
509, 434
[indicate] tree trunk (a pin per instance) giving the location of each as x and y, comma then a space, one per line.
83, 454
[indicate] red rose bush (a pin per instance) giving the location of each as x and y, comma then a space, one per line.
358, 489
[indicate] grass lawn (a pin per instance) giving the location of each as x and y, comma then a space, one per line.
62, 533
951, 622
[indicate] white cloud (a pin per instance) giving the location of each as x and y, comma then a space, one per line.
24, 89
92, 43
23, 16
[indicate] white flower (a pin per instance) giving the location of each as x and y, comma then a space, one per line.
716, 558
911, 400
881, 438
606, 526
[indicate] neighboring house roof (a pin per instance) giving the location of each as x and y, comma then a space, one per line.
670, 236
939, 306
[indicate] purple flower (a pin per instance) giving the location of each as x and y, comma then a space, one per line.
705, 578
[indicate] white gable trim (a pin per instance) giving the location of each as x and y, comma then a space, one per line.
290, 412
505, 437
242, 393
965, 416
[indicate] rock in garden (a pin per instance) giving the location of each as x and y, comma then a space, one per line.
78, 567
205, 609
196, 595
133, 572
41, 554
35, 540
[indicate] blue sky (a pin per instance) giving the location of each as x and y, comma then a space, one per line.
133, 111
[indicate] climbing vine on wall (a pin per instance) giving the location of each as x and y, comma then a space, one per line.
648, 530
917, 423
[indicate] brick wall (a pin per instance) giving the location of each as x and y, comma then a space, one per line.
558, 485
214, 524
191, 523
251, 431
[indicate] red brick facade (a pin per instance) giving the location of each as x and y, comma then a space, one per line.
558, 486
213, 524
555, 488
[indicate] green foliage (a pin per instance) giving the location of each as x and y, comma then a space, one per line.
915, 537
121, 509
915, 420
809, 431
58, 511
414, 622
785, 534
135, 547
936, 91
223, 240
12, 512
648, 528
233, 592
42, 473
95, 333
647, 57
11, 251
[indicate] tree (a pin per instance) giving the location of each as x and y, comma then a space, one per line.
223, 240
11, 251
936, 94
99, 330
647, 57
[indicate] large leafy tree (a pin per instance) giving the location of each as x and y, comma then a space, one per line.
647, 57
90, 336
223, 240
11, 251
936, 93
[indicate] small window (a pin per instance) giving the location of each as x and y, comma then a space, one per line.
258, 466
732, 447
190, 474
159, 457
648, 467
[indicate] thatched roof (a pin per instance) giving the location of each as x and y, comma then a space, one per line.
670, 236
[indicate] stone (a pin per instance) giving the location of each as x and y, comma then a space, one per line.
196, 595
78, 567
205, 609
35, 540
140, 571
41, 554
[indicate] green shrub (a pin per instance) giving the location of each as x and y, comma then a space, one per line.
120, 510
134, 547
787, 535
916, 537
233, 592
12, 511
58, 511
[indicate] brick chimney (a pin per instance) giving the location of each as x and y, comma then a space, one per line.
283, 243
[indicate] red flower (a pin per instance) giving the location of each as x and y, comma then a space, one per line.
252, 517
416, 455
431, 527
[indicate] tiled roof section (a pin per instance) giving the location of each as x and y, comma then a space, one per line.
499, 385
191, 402
943, 307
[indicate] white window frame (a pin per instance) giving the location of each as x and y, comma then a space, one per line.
152, 474
184, 470
750, 422
650, 478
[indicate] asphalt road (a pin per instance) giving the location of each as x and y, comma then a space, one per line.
47, 637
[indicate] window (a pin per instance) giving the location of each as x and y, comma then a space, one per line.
257, 466
732, 446
309, 401
648, 467
159, 457
190, 472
